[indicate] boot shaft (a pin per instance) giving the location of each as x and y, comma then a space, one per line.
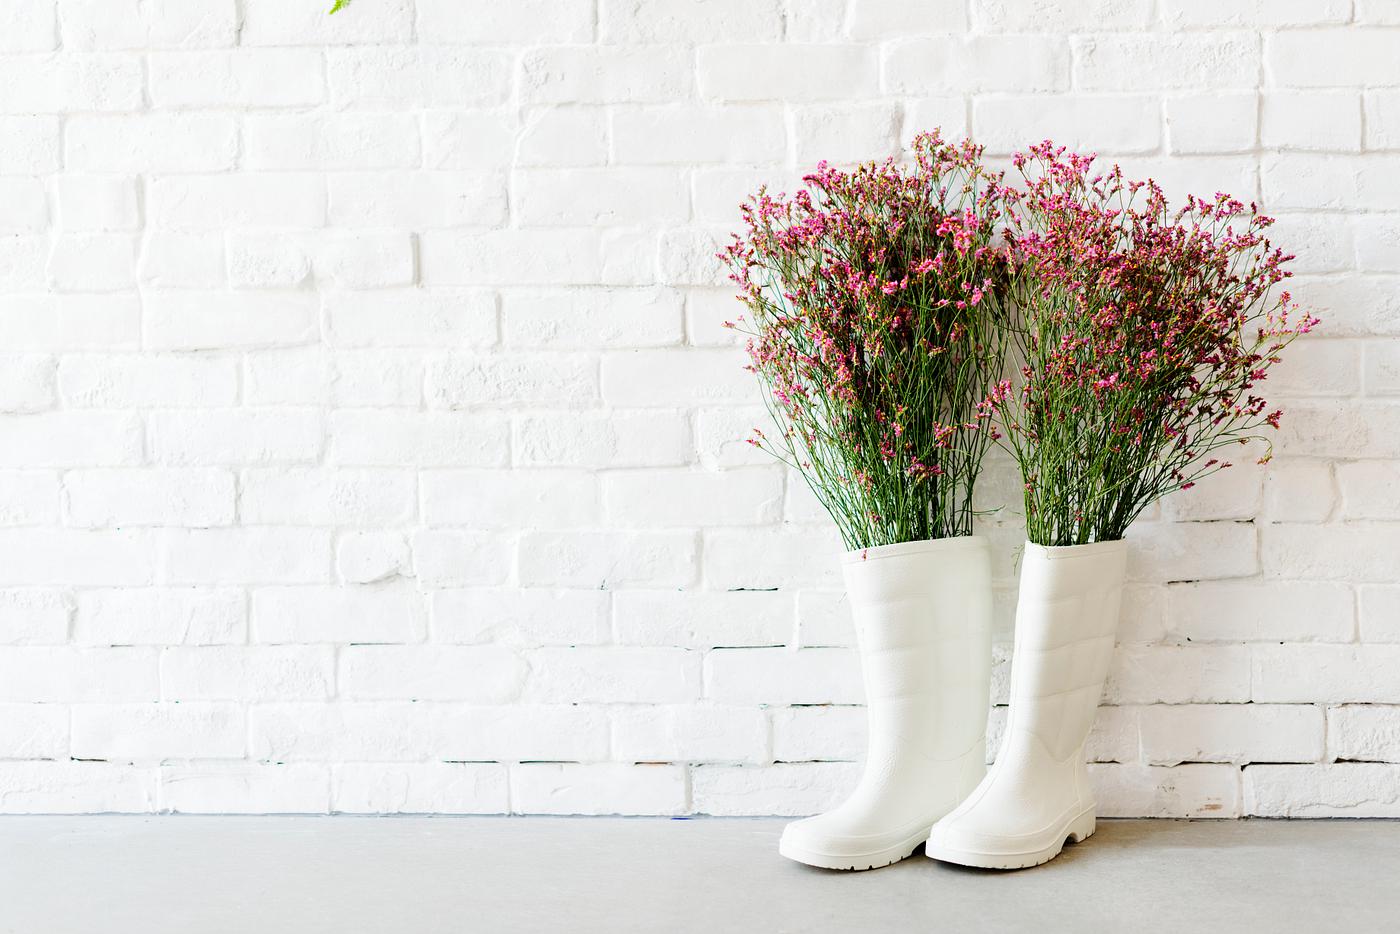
1066, 620
922, 613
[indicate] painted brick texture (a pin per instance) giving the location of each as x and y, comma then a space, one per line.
369, 441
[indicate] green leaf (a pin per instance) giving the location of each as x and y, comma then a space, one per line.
339, 5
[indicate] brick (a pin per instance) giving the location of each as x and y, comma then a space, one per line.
237, 78
33, 731
160, 616
604, 74
1377, 242
639, 22
342, 732
27, 383
620, 439
507, 499
1022, 64
845, 133
534, 257
176, 261
431, 75
246, 673
722, 437
334, 141
606, 560
788, 789
1382, 110
562, 135
1345, 789
29, 144
1212, 123
75, 788
520, 617
1379, 613
1233, 493
1289, 673
1364, 733
458, 559
273, 22
676, 733
420, 788
27, 207
523, 733
92, 263
502, 381
366, 437
246, 556
29, 26
1252, 14
1350, 428
675, 377
369, 557
72, 82
98, 24
1166, 62
791, 72
702, 620
1186, 791
692, 498
1260, 611
758, 559
1355, 553
66, 675
216, 202
1186, 674
32, 616
563, 319
152, 732
417, 200
1084, 122
1238, 733
130, 380
782, 676
602, 788
613, 674
527, 22
97, 203
75, 556
473, 139
23, 261
157, 143
1370, 489
1299, 491
688, 134
112, 498
819, 734
1319, 120
32, 497
474, 674
599, 197
236, 436
337, 497
1330, 58
239, 788
338, 614
688, 257
1193, 551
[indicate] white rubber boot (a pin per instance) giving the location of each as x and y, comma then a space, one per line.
1036, 795
923, 622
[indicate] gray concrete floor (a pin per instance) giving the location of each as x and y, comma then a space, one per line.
209, 875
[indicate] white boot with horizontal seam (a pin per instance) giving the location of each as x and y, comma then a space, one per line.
1036, 795
923, 624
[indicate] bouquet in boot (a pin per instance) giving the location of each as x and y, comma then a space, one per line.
876, 327
1144, 333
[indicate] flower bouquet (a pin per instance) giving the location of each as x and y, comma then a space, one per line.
1143, 335
876, 324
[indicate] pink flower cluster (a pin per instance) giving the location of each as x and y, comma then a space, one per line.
1145, 332
872, 325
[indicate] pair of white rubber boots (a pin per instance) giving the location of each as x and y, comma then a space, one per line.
923, 623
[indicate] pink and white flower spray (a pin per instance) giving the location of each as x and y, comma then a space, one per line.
1144, 333
876, 326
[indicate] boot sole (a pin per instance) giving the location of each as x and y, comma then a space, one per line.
875, 859
1076, 830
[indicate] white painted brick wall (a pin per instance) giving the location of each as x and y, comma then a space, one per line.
369, 442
